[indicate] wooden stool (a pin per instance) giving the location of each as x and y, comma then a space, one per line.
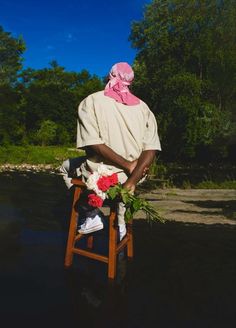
114, 246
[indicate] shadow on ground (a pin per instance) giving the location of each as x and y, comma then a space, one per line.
226, 208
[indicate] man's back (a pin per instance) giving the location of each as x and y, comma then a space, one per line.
128, 130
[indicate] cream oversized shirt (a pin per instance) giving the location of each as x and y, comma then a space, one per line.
127, 130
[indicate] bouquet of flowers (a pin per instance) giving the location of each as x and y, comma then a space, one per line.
105, 185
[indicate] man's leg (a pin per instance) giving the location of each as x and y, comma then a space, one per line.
68, 169
122, 177
64, 169
121, 219
121, 209
90, 218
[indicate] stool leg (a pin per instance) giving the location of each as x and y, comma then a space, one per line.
130, 248
72, 229
112, 246
90, 242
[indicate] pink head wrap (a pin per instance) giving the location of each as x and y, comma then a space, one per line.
120, 77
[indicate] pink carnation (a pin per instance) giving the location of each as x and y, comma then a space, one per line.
94, 200
104, 183
113, 179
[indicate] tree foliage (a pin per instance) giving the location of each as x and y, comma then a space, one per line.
12, 126
30, 99
11, 50
11, 120
54, 94
185, 70
46, 134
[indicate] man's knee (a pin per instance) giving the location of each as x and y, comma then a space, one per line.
66, 165
64, 170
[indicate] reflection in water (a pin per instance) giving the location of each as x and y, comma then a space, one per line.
182, 275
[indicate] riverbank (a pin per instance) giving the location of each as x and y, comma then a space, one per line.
50, 168
198, 206
201, 206
21, 157
162, 175
151, 184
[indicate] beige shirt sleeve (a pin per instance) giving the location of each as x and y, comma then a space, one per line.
151, 139
87, 125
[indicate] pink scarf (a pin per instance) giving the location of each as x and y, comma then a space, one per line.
120, 77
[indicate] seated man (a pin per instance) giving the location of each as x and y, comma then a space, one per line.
119, 130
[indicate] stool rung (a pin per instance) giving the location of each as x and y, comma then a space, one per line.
90, 254
78, 182
78, 237
122, 244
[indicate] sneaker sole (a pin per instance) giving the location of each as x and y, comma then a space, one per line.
95, 228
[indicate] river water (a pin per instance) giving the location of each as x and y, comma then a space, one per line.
182, 275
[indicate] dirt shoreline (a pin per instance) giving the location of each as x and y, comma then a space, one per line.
29, 168
202, 206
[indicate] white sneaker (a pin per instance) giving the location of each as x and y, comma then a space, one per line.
122, 231
91, 225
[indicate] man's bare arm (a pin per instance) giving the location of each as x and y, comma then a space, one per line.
145, 160
108, 154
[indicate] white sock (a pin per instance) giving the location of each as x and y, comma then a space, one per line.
122, 230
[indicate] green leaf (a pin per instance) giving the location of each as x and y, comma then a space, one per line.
128, 214
125, 196
112, 192
136, 204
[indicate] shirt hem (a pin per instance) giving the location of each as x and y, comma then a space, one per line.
91, 142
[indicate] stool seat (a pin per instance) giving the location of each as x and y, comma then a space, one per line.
114, 246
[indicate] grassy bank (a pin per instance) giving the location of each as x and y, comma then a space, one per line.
53, 155
162, 175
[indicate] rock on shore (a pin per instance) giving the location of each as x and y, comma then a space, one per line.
29, 168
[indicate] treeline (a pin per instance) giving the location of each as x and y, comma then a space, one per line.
185, 70
38, 107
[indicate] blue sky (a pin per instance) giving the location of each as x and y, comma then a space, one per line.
90, 34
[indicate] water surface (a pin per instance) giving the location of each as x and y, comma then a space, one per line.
182, 275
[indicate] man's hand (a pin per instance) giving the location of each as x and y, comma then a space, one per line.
136, 169
109, 155
145, 171
131, 166
130, 186
141, 168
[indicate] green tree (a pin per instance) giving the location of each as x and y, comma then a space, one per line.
62, 136
191, 120
12, 128
11, 50
185, 70
29, 98
47, 133
54, 94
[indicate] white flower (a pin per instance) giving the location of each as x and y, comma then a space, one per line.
101, 194
91, 182
103, 170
